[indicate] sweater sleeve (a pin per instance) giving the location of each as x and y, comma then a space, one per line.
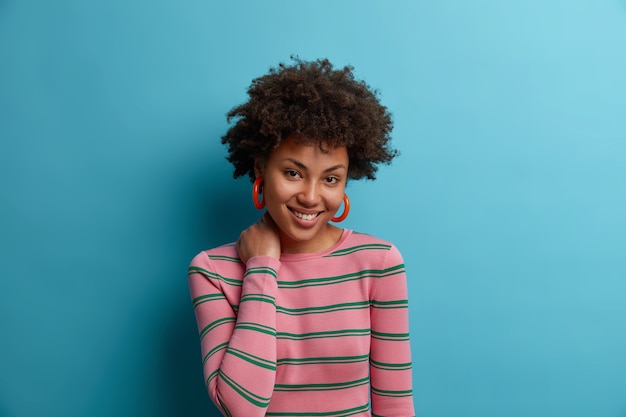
390, 355
238, 342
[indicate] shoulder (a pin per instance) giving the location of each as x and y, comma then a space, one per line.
222, 254
368, 249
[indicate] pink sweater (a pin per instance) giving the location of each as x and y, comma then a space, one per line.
311, 335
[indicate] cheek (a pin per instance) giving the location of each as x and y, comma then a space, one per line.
337, 201
275, 193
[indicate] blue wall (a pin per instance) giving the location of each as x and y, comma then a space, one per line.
508, 201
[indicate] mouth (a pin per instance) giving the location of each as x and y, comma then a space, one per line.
305, 216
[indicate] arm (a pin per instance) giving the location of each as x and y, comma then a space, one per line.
238, 344
390, 355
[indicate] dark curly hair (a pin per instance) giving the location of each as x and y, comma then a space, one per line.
313, 103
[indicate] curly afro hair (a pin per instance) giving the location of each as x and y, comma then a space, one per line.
315, 104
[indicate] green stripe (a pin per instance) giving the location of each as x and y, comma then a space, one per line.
211, 352
256, 327
322, 335
207, 297
225, 258
248, 395
255, 360
390, 393
357, 305
210, 274
353, 249
261, 270
212, 375
226, 410
391, 366
322, 387
258, 297
390, 336
216, 323
390, 304
366, 273
335, 413
323, 360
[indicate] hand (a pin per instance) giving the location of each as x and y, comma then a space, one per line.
260, 239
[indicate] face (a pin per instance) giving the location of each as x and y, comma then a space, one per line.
303, 188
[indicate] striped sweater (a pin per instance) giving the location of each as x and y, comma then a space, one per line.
311, 335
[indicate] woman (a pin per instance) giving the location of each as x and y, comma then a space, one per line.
300, 317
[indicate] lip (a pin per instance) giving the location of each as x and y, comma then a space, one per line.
302, 222
304, 211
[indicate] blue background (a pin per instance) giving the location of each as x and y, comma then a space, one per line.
508, 201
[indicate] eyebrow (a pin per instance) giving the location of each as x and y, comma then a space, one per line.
302, 166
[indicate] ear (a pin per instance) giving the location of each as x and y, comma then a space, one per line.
259, 167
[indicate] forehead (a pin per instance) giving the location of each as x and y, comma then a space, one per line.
309, 153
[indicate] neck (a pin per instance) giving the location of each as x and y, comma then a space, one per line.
329, 238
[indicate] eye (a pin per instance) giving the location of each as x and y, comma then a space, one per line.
292, 173
331, 180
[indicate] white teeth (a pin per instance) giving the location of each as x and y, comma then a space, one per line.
304, 216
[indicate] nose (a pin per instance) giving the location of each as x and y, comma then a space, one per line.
309, 195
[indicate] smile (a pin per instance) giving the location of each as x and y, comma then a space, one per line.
303, 216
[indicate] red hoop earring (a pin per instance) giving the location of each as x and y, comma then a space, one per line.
346, 210
256, 190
